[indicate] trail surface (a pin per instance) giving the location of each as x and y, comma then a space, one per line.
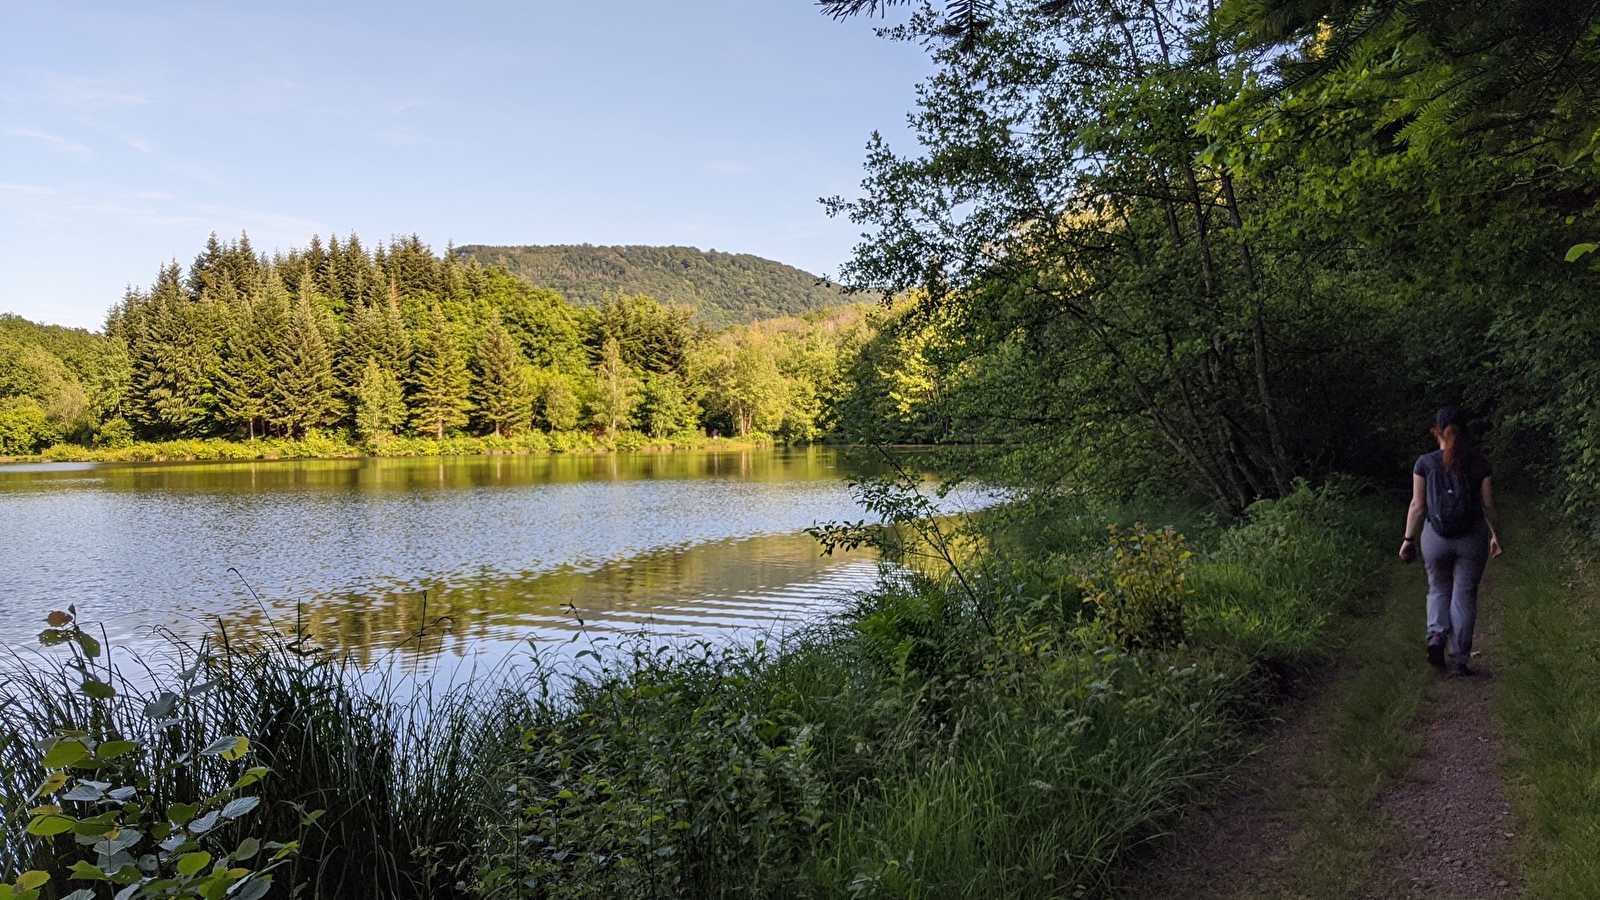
1385, 784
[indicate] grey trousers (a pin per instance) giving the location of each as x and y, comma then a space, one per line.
1455, 566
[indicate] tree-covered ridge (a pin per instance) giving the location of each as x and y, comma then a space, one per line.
367, 346
725, 288
56, 383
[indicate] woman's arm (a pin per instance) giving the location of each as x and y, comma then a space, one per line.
1419, 505
1488, 517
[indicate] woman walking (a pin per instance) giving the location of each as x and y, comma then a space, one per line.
1450, 489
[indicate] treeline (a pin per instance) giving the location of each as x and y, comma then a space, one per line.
334, 339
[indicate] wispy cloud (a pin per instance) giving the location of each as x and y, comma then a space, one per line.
77, 92
24, 190
69, 147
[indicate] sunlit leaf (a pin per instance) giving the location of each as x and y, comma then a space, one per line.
49, 826
65, 753
33, 880
50, 785
190, 863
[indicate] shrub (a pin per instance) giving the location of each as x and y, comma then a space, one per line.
24, 427
1136, 585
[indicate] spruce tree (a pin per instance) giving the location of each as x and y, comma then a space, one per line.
501, 394
439, 379
380, 402
251, 353
306, 390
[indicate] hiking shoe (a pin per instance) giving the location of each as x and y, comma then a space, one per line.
1459, 670
1436, 656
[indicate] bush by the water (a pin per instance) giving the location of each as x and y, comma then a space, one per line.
1009, 729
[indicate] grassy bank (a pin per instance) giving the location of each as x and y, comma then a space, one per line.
983, 732
333, 446
1550, 703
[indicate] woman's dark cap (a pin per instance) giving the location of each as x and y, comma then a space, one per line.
1447, 416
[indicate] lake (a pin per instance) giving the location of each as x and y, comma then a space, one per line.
480, 553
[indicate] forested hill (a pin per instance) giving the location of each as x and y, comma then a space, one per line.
726, 288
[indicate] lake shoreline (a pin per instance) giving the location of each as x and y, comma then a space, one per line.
221, 450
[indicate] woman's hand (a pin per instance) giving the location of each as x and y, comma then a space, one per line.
1494, 546
1408, 551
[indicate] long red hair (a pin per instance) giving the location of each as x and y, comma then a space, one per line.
1455, 451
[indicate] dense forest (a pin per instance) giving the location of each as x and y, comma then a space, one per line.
336, 339
723, 288
1222, 247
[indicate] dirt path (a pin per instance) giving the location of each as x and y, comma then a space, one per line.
1452, 809
1386, 785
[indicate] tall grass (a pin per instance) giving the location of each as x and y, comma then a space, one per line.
944, 737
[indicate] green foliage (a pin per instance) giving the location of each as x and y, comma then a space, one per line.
24, 427
671, 773
303, 396
380, 402
439, 381
502, 400
1136, 585
723, 288
104, 787
616, 391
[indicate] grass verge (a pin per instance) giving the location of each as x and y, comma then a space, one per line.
1550, 703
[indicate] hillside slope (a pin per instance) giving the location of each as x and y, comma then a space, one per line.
726, 288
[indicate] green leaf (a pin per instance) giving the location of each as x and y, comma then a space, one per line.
113, 749
50, 826
179, 813
248, 848
33, 880
190, 863
91, 647
65, 753
97, 689
85, 871
50, 637
1577, 252
50, 785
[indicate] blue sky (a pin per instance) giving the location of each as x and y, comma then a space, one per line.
128, 132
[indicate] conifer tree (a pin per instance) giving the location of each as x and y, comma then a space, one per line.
501, 394
439, 379
380, 402
305, 397
251, 352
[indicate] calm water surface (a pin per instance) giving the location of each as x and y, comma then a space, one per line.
491, 550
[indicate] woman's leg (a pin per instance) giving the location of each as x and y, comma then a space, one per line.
1471, 553
1439, 557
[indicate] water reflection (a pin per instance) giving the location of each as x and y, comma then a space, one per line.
504, 547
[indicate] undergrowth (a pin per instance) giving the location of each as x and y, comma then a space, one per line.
970, 729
